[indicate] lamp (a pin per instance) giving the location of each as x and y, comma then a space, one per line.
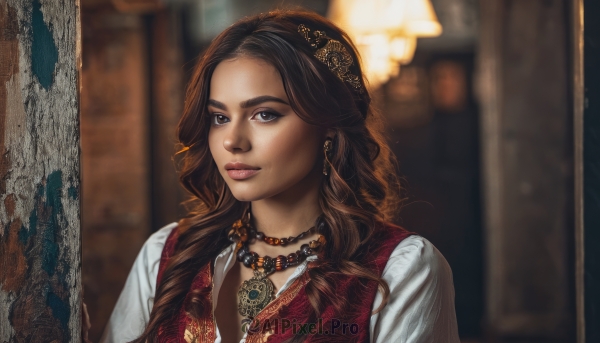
421, 19
385, 31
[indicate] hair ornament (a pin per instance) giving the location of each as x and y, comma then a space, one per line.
184, 149
333, 54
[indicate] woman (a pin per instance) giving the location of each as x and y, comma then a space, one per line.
289, 237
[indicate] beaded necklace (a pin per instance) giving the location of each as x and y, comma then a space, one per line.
256, 293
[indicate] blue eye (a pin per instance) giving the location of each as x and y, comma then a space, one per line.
264, 116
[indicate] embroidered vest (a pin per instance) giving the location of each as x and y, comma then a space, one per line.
287, 315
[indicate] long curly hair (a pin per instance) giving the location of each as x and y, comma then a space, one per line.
360, 194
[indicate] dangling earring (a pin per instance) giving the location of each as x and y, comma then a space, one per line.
326, 150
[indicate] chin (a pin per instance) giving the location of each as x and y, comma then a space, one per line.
247, 192
261, 188
244, 197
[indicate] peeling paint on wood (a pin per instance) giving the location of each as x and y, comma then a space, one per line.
40, 264
44, 53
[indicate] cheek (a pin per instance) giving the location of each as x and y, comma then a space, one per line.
292, 151
215, 146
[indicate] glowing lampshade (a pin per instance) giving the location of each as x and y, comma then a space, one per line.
364, 17
421, 19
385, 31
402, 49
374, 50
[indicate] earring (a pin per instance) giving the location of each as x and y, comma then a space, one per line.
326, 150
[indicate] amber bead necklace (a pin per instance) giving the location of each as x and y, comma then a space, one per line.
256, 293
277, 241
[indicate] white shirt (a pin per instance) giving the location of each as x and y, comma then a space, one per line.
420, 307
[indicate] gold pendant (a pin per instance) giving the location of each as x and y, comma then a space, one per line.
255, 294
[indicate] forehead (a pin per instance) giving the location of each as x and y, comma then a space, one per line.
243, 78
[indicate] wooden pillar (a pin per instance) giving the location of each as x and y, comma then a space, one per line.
527, 155
167, 105
40, 263
588, 167
115, 154
577, 46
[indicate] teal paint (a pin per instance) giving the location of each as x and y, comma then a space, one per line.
73, 192
24, 233
49, 207
54, 205
60, 310
44, 53
48, 272
57, 298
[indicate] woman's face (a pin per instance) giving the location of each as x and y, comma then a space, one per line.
259, 144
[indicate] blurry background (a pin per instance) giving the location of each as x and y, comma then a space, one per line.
479, 116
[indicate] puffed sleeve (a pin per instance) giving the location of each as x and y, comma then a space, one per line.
132, 311
420, 308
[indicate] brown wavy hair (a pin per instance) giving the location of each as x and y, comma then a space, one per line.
358, 197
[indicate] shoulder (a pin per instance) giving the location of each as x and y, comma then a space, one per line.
420, 306
417, 249
159, 238
153, 247
416, 256
410, 250
132, 310
147, 262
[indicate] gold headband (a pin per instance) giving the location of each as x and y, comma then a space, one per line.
333, 54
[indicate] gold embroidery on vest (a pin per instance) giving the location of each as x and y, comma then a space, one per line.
202, 330
273, 308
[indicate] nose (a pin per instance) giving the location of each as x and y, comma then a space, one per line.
236, 138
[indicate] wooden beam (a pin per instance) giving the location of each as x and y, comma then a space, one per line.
526, 155
115, 155
167, 105
40, 264
489, 83
578, 112
591, 169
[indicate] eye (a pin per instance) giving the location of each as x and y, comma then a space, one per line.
265, 116
219, 119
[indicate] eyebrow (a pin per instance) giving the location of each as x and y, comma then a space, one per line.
248, 103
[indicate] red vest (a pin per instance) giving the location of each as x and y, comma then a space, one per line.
287, 315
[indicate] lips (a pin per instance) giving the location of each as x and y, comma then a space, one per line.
239, 166
240, 171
